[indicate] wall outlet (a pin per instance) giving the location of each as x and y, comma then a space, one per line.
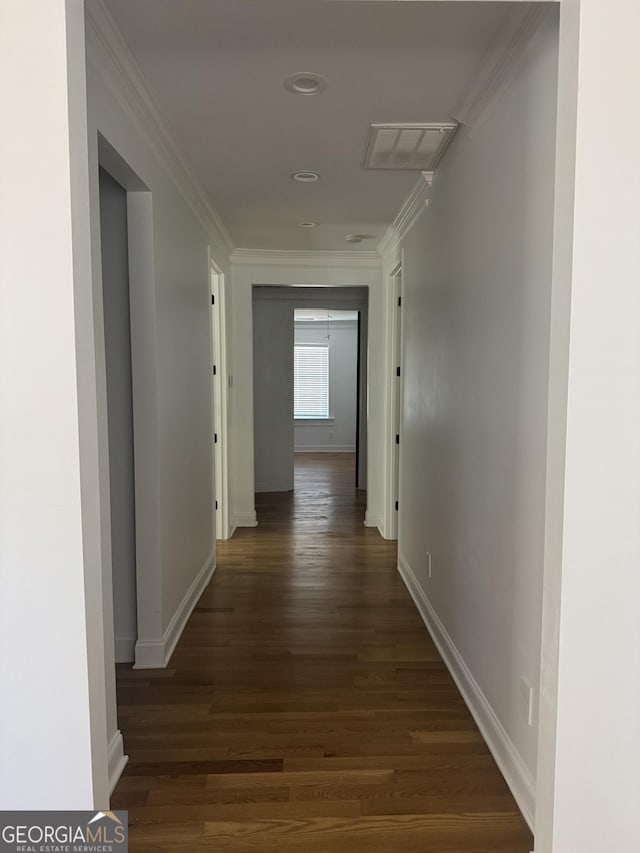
526, 700
331, 434
429, 564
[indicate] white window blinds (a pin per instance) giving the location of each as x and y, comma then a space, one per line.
310, 381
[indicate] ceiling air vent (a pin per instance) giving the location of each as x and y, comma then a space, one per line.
407, 146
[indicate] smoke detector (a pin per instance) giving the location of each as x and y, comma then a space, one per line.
408, 147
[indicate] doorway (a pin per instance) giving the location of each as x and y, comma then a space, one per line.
119, 386
396, 396
326, 386
310, 383
221, 400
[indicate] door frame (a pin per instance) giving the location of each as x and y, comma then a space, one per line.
220, 400
336, 297
124, 644
396, 384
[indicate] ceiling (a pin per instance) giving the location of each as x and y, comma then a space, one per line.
216, 71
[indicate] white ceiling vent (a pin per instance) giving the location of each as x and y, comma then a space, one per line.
407, 146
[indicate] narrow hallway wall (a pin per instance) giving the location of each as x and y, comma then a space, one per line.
476, 314
175, 235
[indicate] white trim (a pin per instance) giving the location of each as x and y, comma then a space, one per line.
410, 210
313, 422
139, 99
395, 390
374, 521
155, 654
245, 519
125, 646
392, 261
507, 757
326, 448
287, 258
500, 63
220, 398
116, 759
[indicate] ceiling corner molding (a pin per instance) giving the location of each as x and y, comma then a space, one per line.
140, 101
500, 62
292, 258
411, 208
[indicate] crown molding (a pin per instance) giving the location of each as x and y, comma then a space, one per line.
500, 62
139, 99
411, 208
292, 258
497, 68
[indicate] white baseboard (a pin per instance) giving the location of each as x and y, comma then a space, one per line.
371, 520
326, 448
125, 648
116, 759
244, 519
155, 654
507, 757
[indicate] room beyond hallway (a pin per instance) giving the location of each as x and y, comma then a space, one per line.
306, 708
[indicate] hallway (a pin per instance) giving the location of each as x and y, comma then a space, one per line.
306, 708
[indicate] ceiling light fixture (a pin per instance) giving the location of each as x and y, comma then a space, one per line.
305, 83
307, 224
305, 176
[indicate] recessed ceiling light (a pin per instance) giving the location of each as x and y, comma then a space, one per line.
305, 176
305, 83
307, 224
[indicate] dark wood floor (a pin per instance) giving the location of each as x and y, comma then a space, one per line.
306, 709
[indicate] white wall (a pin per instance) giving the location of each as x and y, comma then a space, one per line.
273, 393
53, 741
588, 781
476, 319
171, 235
349, 269
339, 434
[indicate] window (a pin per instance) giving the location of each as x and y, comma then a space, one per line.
310, 381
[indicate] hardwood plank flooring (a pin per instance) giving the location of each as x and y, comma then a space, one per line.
306, 709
